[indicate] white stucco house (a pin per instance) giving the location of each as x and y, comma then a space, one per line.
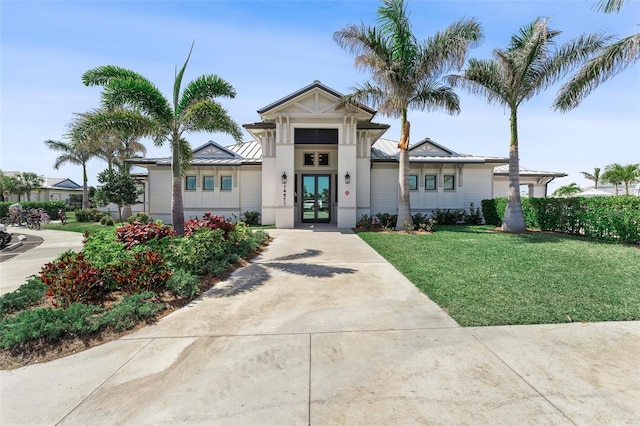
313, 160
52, 189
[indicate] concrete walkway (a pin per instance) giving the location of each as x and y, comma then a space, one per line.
321, 330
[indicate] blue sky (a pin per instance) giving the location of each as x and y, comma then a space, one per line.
269, 49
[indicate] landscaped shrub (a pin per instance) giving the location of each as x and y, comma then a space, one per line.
251, 218
609, 218
130, 311
133, 234
183, 283
423, 223
387, 220
190, 253
101, 248
90, 215
28, 294
473, 216
72, 279
209, 221
367, 223
448, 217
147, 271
141, 217
47, 324
107, 221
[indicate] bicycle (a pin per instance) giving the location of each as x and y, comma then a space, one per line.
62, 216
33, 219
44, 216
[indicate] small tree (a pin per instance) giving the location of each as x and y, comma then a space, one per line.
567, 190
30, 181
118, 187
595, 177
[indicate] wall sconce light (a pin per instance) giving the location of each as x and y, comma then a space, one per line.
284, 178
347, 178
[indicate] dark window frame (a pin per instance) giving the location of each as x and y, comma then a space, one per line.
222, 183
190, 182
433, 187
211, 179
452, 179
413, 186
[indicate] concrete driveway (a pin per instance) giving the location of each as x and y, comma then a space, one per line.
321, 330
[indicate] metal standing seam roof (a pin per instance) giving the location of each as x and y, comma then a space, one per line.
503, 170
386, 150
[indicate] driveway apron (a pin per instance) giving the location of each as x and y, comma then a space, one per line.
322, 330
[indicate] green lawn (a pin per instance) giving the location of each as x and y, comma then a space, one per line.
486, 278
73, 225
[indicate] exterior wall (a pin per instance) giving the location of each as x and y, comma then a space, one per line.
536, 189
472, 184
250, 188
159, 193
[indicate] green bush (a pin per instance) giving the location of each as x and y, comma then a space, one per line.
78, 319
47, 324
90, 215
423, 223
107, 221
387, 220
141, 217
128, 313
190, 253
252, 218
448, 217
28, 294
183, 283
607, 218
102, 248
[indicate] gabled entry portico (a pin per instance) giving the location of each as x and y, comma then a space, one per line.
315, 158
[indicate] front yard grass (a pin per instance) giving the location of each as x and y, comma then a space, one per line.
485, 278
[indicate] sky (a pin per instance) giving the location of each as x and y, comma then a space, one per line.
269, 49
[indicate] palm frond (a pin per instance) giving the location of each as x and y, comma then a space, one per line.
178, 80
210, 116
609, 6
139, 94
205, 87
436, 97
100, 76
485, 78
613, 59
447, 50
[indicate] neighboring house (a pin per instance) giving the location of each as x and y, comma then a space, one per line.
53, 189
532, 183
314, 160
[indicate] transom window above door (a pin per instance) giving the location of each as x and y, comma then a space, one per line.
316, 159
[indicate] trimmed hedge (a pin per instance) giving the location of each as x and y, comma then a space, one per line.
607, 218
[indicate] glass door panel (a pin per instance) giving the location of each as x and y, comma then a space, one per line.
316, 198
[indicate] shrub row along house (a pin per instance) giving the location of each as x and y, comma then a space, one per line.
313, 160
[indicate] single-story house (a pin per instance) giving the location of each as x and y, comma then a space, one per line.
52, 189
314, 160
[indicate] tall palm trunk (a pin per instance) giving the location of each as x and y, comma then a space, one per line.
85, 188
404, 202
177, 206
513, 219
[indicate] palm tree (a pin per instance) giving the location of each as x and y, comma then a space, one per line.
528, 66
614, 59
78, 150
617, 174
567, 190
193, 109
30, 181
406, 73
595, 177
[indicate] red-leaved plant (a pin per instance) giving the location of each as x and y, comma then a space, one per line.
209, 221
133, 234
